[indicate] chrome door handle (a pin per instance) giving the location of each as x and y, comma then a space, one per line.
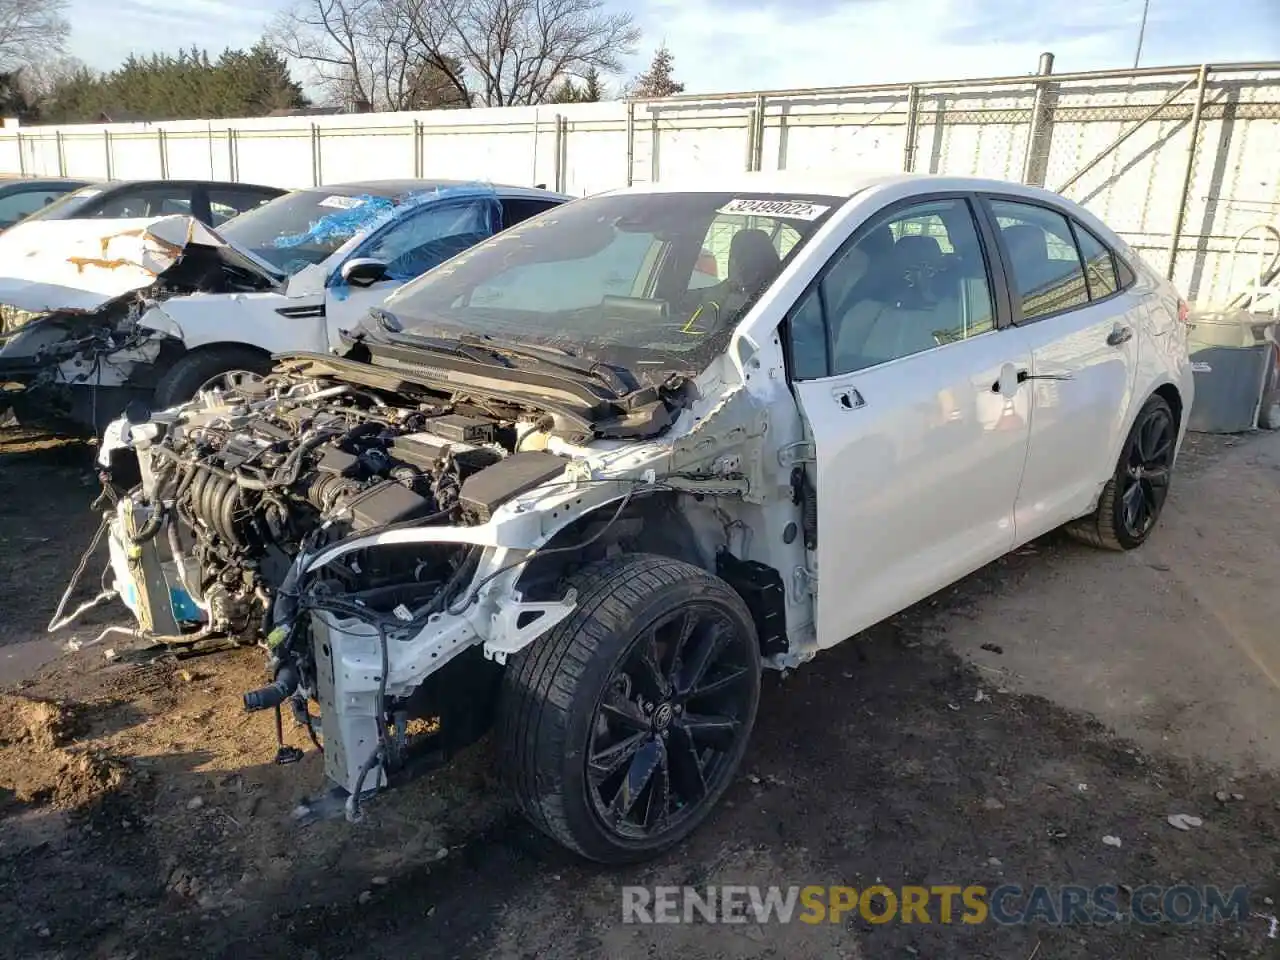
848, 398
1119, 335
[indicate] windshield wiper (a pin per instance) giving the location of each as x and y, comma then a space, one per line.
554, 357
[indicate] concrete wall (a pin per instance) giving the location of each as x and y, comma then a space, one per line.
969, 127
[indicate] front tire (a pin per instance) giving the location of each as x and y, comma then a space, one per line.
203, 369
1134, 497
622, 728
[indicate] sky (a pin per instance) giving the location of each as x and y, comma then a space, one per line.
729, 45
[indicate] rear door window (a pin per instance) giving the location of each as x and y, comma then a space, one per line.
145, 202
1048, 276
1099, 264
226, 202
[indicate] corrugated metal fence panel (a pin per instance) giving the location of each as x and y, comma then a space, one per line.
980, 128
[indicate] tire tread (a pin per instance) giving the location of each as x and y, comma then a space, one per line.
541, 683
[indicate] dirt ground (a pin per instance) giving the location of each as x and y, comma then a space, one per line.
994, 733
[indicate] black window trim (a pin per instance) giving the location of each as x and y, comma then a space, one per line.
987, 240
204, 201
985, 198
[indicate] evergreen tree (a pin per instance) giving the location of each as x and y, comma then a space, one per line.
659, 79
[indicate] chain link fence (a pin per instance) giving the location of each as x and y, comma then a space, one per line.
1178, 160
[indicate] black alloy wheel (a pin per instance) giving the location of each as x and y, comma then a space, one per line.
1146, 476
668, 727
623, 726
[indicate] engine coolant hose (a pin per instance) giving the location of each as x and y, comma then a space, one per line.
273, 694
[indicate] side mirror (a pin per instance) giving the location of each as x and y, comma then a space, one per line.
363, 271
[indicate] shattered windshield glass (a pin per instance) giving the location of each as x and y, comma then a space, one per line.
305, 228
653, 282
299, 229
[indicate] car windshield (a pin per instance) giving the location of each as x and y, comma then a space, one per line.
303, 228
66, 205
654, 282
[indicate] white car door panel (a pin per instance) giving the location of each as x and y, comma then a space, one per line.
916, 413
1078, 418
917, 473
1083, 334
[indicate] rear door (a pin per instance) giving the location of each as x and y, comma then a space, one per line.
908, 381
1082, 331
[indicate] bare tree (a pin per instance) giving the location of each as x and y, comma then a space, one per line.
349, 46
31, 30
41, 77
481, 52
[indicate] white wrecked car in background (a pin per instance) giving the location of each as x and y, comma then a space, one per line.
571, 484
156, 310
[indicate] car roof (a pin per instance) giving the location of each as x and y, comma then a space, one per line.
394, 188
111, 185
834, 183
38, 182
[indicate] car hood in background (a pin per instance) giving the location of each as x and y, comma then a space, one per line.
78, 266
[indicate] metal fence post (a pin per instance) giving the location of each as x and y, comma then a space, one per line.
62, 159
557, 169
1180, 215
22, 156
315, 155
655, 146
417, 148
162, 143
106, 150
231, 154
631, 140
909, 148
757, 156
1036, 135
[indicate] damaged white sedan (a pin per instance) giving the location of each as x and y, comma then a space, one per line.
572, 485
155, 310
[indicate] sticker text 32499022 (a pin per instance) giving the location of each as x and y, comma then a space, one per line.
793, 209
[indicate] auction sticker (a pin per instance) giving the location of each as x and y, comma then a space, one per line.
791, 209
341, 203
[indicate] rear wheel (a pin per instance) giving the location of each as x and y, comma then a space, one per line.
622, 728
211, 368
1133, 498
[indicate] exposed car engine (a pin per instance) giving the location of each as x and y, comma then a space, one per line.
234, 489
256, 484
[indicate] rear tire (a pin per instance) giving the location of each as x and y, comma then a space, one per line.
622, 728
194, 371
1134, 497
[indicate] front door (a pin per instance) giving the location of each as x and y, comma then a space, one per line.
911, 395
1083, 335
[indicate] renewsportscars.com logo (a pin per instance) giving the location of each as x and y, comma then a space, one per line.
1007, 904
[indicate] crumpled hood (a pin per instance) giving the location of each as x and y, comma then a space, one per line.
80, 265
